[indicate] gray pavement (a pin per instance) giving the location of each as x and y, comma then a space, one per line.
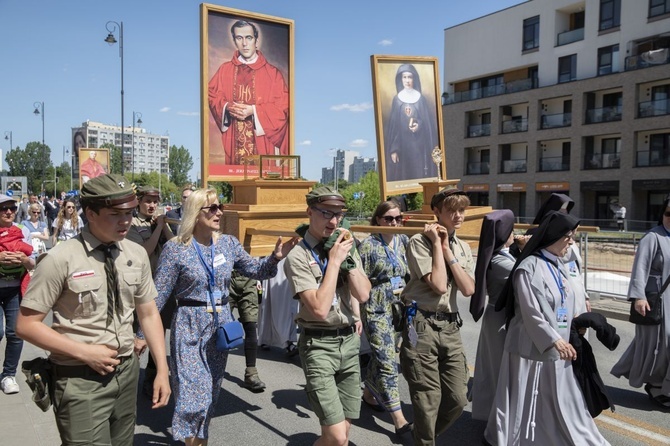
278, 416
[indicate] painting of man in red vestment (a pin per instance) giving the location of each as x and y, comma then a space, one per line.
248, 92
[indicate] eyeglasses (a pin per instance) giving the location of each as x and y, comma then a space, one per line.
34, 212
69, 207
213, 208
390, 218
666, 214
328, 215
10, 208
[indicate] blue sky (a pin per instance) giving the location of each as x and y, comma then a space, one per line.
54, 52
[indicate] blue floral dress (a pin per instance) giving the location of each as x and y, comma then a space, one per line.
196, 367
381, 263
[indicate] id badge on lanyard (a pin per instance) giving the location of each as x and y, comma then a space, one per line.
562, 318
217, 295
396, 283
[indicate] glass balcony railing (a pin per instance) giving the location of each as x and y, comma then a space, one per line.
515, 125
478, 168
596, 161
648, 59
646, 158
495, 90
653, 108
556, 120
554, 163
514, 166
570, 36
479, 130
605, 114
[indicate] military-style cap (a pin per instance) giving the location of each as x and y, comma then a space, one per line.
147, 191
109, 190
325, 195
443, 194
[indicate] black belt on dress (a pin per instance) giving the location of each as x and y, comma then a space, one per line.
318, 332
81, 371
191, 303
439, 316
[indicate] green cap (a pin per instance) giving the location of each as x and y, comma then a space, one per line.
109, 190
147, 191
325, 195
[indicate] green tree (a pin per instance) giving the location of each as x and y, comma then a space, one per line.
369, 196
223, 188
114, 157
32, 162
180, 162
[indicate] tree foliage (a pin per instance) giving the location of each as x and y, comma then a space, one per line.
180, 162
368, 200
32, 162
114, 157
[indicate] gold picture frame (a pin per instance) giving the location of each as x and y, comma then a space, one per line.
408, 118
244, 112
92, 163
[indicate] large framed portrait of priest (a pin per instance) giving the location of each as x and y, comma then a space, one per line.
247, 90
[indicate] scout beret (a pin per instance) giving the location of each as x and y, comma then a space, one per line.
325, 195
110, 190
443, 194
147, 191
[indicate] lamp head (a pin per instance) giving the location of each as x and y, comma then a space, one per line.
110, 39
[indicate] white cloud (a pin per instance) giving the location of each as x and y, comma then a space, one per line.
188, 113
363, 106
359, 143
307, 142
164, 109
385, 42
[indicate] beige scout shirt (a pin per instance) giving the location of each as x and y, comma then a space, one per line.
71, 280
304, 273
420, 261
140, 231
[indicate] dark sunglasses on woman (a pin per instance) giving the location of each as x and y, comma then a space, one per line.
213, 208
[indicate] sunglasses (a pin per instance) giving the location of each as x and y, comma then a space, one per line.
10, 208
34, 212
69, 207
213, 208
391, 219
328, 215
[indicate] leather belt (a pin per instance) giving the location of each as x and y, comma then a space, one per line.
318, 332
440, 316
82, 371
191, 303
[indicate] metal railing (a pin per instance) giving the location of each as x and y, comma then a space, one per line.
556, 120
477, 168
569, 36
658, 107
602, 161
648, 59
554, 163
605, 114
513, 166
494, 90
515, 125
646, 158
479, 130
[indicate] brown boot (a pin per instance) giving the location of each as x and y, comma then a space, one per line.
252, 381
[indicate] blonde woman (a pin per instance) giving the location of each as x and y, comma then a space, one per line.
197, 262
39, 233
67, 224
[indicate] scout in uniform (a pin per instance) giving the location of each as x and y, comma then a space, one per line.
150, 230
432, 355
330, 286
93, 283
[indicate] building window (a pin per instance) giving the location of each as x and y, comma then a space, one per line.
531, 33
608, 60
567, 68
610, 14
658, 7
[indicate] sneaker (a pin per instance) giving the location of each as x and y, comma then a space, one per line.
9, 385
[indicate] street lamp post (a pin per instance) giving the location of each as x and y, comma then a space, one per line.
39, 110
112, 26
132, 155
8, 135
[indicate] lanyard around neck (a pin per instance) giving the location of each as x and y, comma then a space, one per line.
390, 254
322, 265
556, 275
208, 269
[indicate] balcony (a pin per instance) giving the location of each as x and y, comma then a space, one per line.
514, 166
475, 131
602, 161
646, 158
554, 163
605, 114
653, 108
495, 90
648, 59
515, 125
556, 120
570, 36
477, 169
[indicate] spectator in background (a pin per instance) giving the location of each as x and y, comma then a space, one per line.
620, 216
51, 208
176, 214
67, 224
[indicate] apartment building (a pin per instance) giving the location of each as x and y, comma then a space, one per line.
562, 96
142, 151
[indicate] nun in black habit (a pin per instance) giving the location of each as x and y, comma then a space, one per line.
538, 400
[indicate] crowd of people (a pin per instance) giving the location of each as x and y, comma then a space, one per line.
112, 300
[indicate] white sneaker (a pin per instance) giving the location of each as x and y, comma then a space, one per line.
9, 385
